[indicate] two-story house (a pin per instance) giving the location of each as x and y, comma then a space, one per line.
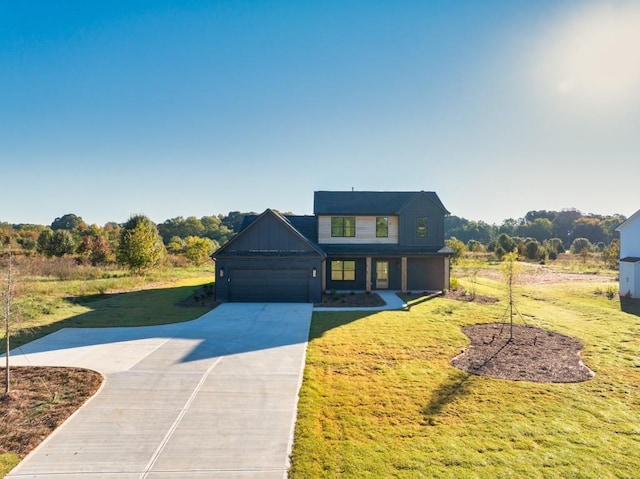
630, 256
355, 241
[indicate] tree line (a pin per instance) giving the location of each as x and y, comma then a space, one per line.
540, 234
137, 243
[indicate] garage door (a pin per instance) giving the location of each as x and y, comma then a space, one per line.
272, 285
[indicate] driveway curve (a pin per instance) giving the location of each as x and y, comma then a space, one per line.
211, 398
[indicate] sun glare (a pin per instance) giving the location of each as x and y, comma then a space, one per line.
593, 55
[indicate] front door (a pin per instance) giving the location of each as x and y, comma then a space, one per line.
382, 274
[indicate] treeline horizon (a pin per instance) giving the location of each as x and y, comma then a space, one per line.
563, 226
542, 225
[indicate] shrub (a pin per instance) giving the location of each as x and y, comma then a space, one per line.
581, 245
454, 284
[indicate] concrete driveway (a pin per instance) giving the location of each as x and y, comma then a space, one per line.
211, 398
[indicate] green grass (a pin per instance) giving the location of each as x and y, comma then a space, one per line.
137, 308
120, 299
8, 462
380, 400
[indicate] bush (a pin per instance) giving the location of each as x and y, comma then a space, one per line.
581, 245
454, 284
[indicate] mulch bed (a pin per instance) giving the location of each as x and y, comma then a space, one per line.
350, 300
40, 399
533, 354
461, 294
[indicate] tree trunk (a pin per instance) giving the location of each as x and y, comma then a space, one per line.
7, 316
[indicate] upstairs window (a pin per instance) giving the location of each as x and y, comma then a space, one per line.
343, 226
382, 227
343, 270
422, 227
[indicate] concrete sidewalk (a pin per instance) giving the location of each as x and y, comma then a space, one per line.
211, 398
391, 299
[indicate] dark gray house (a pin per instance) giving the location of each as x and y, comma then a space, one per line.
356, 240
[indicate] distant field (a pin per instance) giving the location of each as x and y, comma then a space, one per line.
380, 399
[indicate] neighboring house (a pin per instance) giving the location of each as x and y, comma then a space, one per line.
630, 256
356, 241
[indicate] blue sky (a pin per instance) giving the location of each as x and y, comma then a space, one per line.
193, 108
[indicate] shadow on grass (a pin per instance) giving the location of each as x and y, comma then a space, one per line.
231, 328
456, 386
137, 308
324, 321
630, 305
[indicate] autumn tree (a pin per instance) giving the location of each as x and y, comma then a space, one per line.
198, 250
141, 245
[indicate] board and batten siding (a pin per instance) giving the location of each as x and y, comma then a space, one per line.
365, 231
630, 237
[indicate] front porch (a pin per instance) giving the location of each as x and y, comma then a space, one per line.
394, 273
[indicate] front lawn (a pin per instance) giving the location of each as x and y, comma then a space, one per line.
381, 400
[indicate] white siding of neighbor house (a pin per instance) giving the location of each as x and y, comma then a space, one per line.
630, 247
630, 237
628, 279
365, 231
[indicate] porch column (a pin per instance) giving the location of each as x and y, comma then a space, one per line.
403, 269
323, 276
447, 273
368, 275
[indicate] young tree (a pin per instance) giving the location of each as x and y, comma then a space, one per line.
7, 306
458, 248
611, 254
510, 271
141, 245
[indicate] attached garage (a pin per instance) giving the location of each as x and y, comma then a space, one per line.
269, 285
269, 261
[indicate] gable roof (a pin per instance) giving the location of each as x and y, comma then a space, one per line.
248, 226
629, 220
368, 202
305, 224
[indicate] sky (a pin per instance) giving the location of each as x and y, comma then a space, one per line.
111, 108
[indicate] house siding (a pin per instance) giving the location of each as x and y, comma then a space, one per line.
630, 238
421, 206
365, 231
426, 274
627, 278
629, 282
361, 275
269, 234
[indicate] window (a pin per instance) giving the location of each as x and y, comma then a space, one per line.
343, 226
382, 227
343, 270
422, 227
